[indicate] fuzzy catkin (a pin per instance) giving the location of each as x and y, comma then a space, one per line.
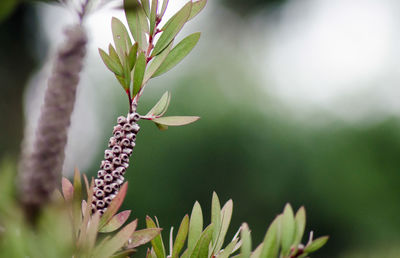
41, 169
110, 177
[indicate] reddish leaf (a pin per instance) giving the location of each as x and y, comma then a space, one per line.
116, 222
67, 189
114, 206
143, 236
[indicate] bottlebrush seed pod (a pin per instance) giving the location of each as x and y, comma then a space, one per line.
116, 161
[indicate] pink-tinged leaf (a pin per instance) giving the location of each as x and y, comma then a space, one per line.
83, 207
176, 120
157, 242
111, 246
116, 222
85, 220
77, 218
92, 231
67, 189
143, 236
114, 206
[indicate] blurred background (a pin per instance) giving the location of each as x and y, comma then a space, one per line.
299, 102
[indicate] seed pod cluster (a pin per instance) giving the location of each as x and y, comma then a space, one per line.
110, 177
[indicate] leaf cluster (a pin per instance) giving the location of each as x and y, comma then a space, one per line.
282, 239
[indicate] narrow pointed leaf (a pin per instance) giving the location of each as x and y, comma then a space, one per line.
178, 53
87, 213
137, 22
153, 15
111, 246
132, 56
114, 55
146, 7
124, 254
300, 220
201, 248
228, 250
215, 217
195, 226
176, 120
164, 7
245, 235
156, 63
288, 226
173, 26
196, 8
139, 70
121, 38
141, 237
316, 244
77, 186
110, 63
116, 222
270, 245
226, 215
157, 243
67, 189
161, 106
92, 231
114, 206
181, 237
127, 72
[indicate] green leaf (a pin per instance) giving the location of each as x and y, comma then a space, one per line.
114, 206
171, 28
226, 215
195, 226
113, 54
164, 7
300, 220
162, 105
245, 236
141, 237
121, 38
124, 254
288, 227
67, 189
153, 15
178, 53
196, 8
316, 244
270, 245
156, 63
181, 237
108, 248
215, 219
146, 7
137, 22
127, 72
92, 231
139, 70
116, 222
228, 250
157, 243
6, 8
176, 120
132, 56
201, 248
111, 64
257, 253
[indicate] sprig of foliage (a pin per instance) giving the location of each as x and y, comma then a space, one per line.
282, 239
153, 52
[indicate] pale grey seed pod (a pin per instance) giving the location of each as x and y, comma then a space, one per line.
99, 193
116, 149
130, 136
108, 189
124, 157
98, 182
101, 173
108, 154
113, 141
125, 165
127, 151
117, 128
115, 174
119, 134
108, 166
121, 170
108, 178
133, 117
127, 128
125, 142
121, 120
116, 161
93, 206
119, 181
133, 144
108, 200
135, 128
115, 186
101, 212
100, 203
